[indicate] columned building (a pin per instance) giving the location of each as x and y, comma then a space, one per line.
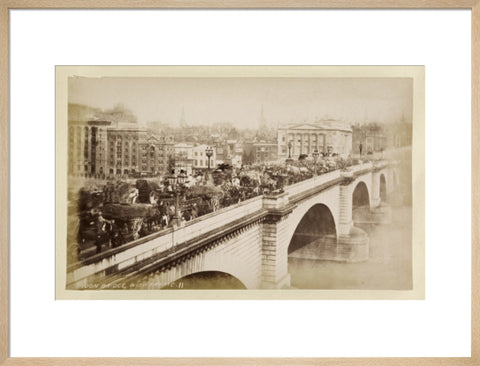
328, 136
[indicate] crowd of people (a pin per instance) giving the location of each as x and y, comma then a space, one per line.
117, 213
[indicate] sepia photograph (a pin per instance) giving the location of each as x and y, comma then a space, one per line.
291, 175
248, 178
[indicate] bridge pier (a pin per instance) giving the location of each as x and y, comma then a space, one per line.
352, 242
376, 198
275, 242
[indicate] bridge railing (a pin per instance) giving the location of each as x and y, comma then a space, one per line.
312, 182
323, 179
218, 219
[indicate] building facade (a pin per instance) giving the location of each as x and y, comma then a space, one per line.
327, 136
229, 152
183, 165
259, 152
123, 151
375, 137
368, 139
155, 152
399, 134
87, 144
183, 150
200, 158
103, 149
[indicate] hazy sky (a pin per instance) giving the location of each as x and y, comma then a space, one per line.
239, 100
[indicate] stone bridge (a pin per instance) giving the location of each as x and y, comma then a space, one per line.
251, 241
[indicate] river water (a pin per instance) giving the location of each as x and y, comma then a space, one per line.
389, 266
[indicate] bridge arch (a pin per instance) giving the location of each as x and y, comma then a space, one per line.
393, 179
361, 195
205, 264
315, 224
207, 280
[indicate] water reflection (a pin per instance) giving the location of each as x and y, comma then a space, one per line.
389, 266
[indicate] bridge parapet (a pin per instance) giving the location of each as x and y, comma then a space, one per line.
328, 177
217, 219
312, 183
275, 201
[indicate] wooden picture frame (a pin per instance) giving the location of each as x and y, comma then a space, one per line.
7, 5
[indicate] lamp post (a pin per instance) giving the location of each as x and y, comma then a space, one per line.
315, 155
262, 154
209, 153
289, 159
176, 181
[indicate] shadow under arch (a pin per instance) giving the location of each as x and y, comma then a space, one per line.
360, 196
207, 280
314, 225
383, 188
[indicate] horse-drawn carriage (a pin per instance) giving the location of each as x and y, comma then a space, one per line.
111, 217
